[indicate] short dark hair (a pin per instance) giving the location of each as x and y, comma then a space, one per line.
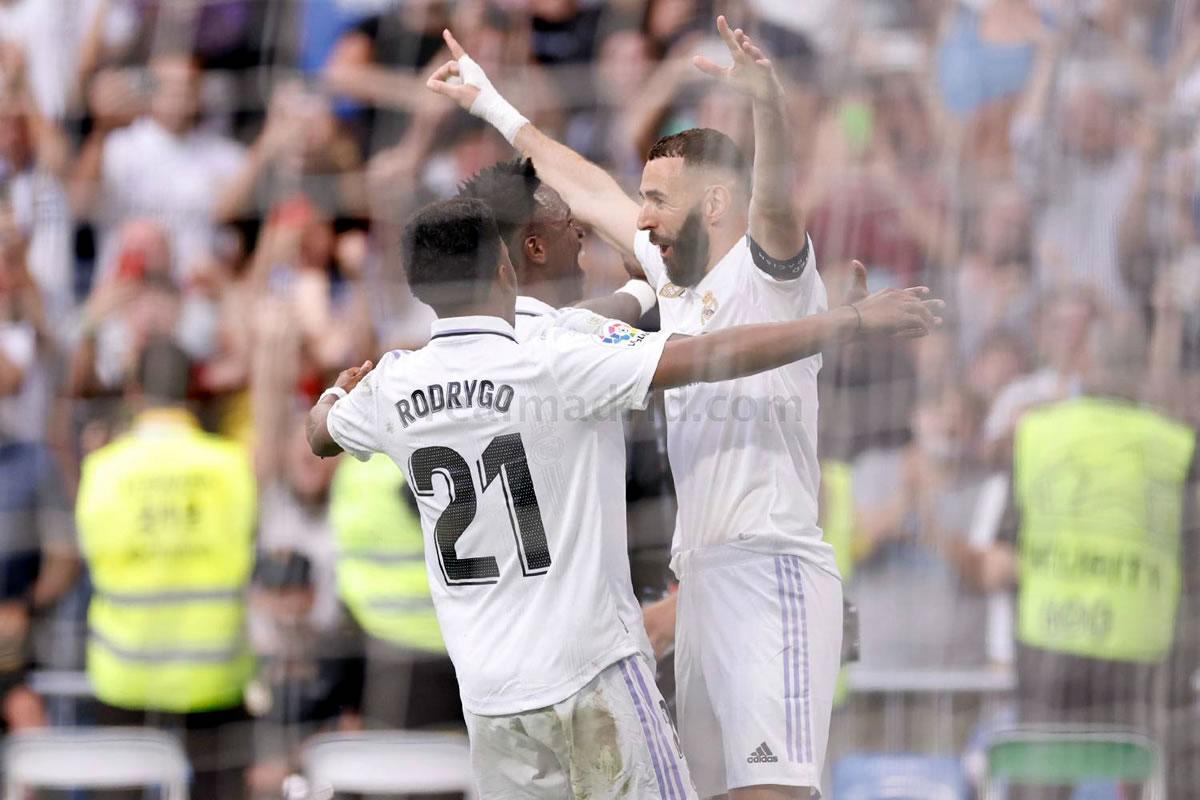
508, 188
451, 252
702, 147
164, 371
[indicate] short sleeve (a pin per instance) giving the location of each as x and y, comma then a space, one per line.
580, 320
606, 371
353, 422
801, 285
650, 258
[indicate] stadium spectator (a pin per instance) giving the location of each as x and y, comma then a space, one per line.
59, 41
1075, 161
38, 562
994, 288
1001, 358
876, 152
138, 301
34, 158
166, 523
1064, 323
309, 679
909, 545
26, 346
121, 168
1097, 614
302, 148
604, 132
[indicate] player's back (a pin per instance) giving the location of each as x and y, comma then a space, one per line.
501, 443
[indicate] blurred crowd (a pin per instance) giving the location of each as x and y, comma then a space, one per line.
230, 176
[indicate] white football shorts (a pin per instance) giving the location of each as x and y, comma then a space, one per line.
757, 653
611, 739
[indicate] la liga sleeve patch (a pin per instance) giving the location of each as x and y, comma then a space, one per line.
621, 334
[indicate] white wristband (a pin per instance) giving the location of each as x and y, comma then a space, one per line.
642, 292
490, 105
337, 391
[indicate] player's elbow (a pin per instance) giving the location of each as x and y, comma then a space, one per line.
319, 441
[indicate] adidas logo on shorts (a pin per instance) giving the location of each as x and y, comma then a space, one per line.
762, 755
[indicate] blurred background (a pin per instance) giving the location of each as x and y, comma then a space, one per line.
218, 186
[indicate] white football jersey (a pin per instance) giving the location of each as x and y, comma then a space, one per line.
534, 317
743, 452
508, 449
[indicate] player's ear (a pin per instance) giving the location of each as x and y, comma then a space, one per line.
717, 202
534, 249
506, 275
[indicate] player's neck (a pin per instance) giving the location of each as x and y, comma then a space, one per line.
721, 241
505, 311
553, 293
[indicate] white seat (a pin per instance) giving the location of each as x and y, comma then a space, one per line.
405, 762
95, 758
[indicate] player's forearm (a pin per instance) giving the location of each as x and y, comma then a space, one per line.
378, 86
746, 350
317, 430
618, 305
774, 219
593, 195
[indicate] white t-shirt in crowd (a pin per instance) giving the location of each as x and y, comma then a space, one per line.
51, 34
505, 446
149, 172
743, 452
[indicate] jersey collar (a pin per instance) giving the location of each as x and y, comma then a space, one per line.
452, 327
532, 307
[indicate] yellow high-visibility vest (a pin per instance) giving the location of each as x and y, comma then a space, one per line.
381, 555
1100, 486
166, 518
837, 523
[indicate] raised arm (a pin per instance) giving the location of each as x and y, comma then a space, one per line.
746, 350
775, 222
594, 197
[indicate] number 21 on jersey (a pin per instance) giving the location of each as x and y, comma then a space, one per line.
504, 457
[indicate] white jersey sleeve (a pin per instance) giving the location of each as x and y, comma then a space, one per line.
802, 290
608, 370
581, 320
353, 422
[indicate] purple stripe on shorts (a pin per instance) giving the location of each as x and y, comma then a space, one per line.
665, 736
808, 749
788, 647
663, 783
795, 699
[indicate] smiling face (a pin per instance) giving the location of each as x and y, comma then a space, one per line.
672, 200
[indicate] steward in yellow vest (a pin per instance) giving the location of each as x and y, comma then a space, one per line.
1103, 490
166, 519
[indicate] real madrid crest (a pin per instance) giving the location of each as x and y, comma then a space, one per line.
710, 307
670, 290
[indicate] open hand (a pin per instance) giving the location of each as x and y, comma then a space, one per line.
751, 72
900, 312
